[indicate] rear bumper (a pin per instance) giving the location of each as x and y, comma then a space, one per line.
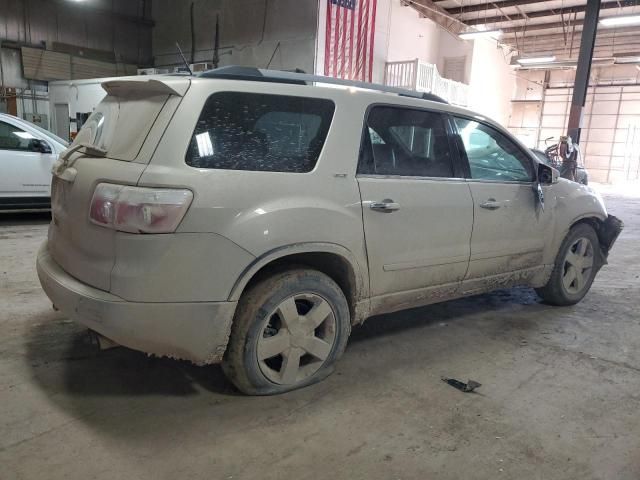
195, 331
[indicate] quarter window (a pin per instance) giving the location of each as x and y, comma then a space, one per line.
405, 142
491, 155
13, 138
250, 131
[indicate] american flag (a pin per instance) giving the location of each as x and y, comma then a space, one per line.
350, 29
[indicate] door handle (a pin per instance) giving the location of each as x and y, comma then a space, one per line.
386, 206
491, 204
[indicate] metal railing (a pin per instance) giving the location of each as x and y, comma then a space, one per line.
424, 77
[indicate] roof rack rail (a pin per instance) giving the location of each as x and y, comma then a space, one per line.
433, 97
281, 76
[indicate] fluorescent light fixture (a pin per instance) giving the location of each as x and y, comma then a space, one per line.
600, 62
480, 34
620, 20
627, 59
534, 60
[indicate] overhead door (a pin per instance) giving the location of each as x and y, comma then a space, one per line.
610, 130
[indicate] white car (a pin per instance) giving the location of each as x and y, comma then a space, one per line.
27, 153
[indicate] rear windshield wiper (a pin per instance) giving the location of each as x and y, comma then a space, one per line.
63, 163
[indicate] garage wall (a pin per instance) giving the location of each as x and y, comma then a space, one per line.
402, 34
610, 137
251, 32
411, 36
492, 81
118, 26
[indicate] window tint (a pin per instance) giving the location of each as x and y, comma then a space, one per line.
251, 131
492, 156
402, 141
13, 138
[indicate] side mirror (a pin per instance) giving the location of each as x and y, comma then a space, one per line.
37, 145
547, 175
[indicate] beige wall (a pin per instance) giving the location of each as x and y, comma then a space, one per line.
492, 81
401, 34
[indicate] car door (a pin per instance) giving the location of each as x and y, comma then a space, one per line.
25, 172
416, 206
509, 224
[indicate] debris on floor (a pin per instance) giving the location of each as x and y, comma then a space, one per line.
468, 387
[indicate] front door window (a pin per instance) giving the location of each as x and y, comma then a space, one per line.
491, 155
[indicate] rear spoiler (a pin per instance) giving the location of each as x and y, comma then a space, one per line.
121, 88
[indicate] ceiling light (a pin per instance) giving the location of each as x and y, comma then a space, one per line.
472, 35
620, 20
534, 60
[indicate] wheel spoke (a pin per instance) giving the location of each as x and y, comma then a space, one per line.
288, 312
569, 277
271, 346
587, 262
579, 280
290, 365
582, 247
317, 347
318, 314
573, 259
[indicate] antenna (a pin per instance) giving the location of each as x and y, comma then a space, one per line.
216, 44
186, 64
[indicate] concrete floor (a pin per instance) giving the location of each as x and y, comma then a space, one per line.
559, 400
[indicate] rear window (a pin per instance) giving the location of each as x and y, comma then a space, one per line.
120, 125
252, 131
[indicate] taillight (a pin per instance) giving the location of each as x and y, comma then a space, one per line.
138, 209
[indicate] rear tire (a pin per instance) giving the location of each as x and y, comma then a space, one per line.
288, 332
575, 267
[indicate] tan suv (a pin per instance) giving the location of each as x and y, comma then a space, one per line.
252, 217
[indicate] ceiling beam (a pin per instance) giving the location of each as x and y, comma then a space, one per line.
538, 14
601, 50
604, 33
481, 7
428, 9
536, 26
607, 42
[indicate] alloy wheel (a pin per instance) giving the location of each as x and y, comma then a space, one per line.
578, 266
297, 338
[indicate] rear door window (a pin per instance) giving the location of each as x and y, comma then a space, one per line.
252, 131
405, 142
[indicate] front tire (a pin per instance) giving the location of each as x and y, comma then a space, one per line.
575, 267
288, 332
